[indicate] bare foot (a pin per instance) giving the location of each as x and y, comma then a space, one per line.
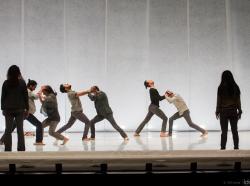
39, 143
91, 139
204, 134
85, 139
163, 134
65, 140
126, 139
136, 134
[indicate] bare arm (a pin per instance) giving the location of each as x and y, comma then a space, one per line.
82, 93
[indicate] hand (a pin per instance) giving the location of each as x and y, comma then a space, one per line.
239, 114
4, 112
217, 114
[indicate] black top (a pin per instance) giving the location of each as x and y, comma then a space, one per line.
50, 107
101, 103
228, 102
14, 98
155, 96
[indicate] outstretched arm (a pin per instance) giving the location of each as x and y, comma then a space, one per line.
82, 93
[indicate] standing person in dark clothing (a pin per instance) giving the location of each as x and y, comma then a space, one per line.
103, 111
15, 106
31, 86
228, 108
153, 109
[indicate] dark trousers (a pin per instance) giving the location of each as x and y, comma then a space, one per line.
10, 119
153, 109
74, 116
35, 122
186, 116
112, 121
225, 116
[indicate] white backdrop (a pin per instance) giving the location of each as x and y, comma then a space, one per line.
184, 45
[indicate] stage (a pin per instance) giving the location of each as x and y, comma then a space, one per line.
183, 152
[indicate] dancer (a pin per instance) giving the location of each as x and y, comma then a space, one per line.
76, 109
31, 86
153, 109
49, 107
183, 111
15, 106
228, 108
103, 111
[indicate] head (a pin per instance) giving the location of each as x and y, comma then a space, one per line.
65, 87
46, 90
169, 93
148, 83
31, 85
228, 86
14, 74
94, 89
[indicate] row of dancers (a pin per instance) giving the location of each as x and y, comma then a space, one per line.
18, 103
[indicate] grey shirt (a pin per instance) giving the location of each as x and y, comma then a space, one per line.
32, 98
75, 101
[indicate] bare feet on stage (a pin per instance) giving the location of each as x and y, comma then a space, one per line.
204, 135
39, 143
85, 139
163, 134
65, 140
92, 139
126, 139
136, 134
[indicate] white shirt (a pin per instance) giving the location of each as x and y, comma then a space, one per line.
178, 102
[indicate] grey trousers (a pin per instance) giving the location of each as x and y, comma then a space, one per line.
52, 128
153, 109
74, 116
187, 117
112, 121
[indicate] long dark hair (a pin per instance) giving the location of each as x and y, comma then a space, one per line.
13, 75
228, 86
49, 90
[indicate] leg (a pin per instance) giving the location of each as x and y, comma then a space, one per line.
144, 122
20, 135
83, 118
39, 128
112, 121
3, 136
95, 120
234, 129
9, 122
157, 111
171, 121
69, 124
52, 128
187, 117
224, 128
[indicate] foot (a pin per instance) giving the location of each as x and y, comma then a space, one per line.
126, 139
85, 139
65, 140
91, 139
204, 134
163, 134
39, 143
136, 134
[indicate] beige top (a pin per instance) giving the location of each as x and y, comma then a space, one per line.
32, 98
178, 102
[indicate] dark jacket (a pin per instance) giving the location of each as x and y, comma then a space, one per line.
14, 98
155, 96
101, 103
226, 102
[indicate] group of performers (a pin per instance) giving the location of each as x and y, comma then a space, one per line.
18, 103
